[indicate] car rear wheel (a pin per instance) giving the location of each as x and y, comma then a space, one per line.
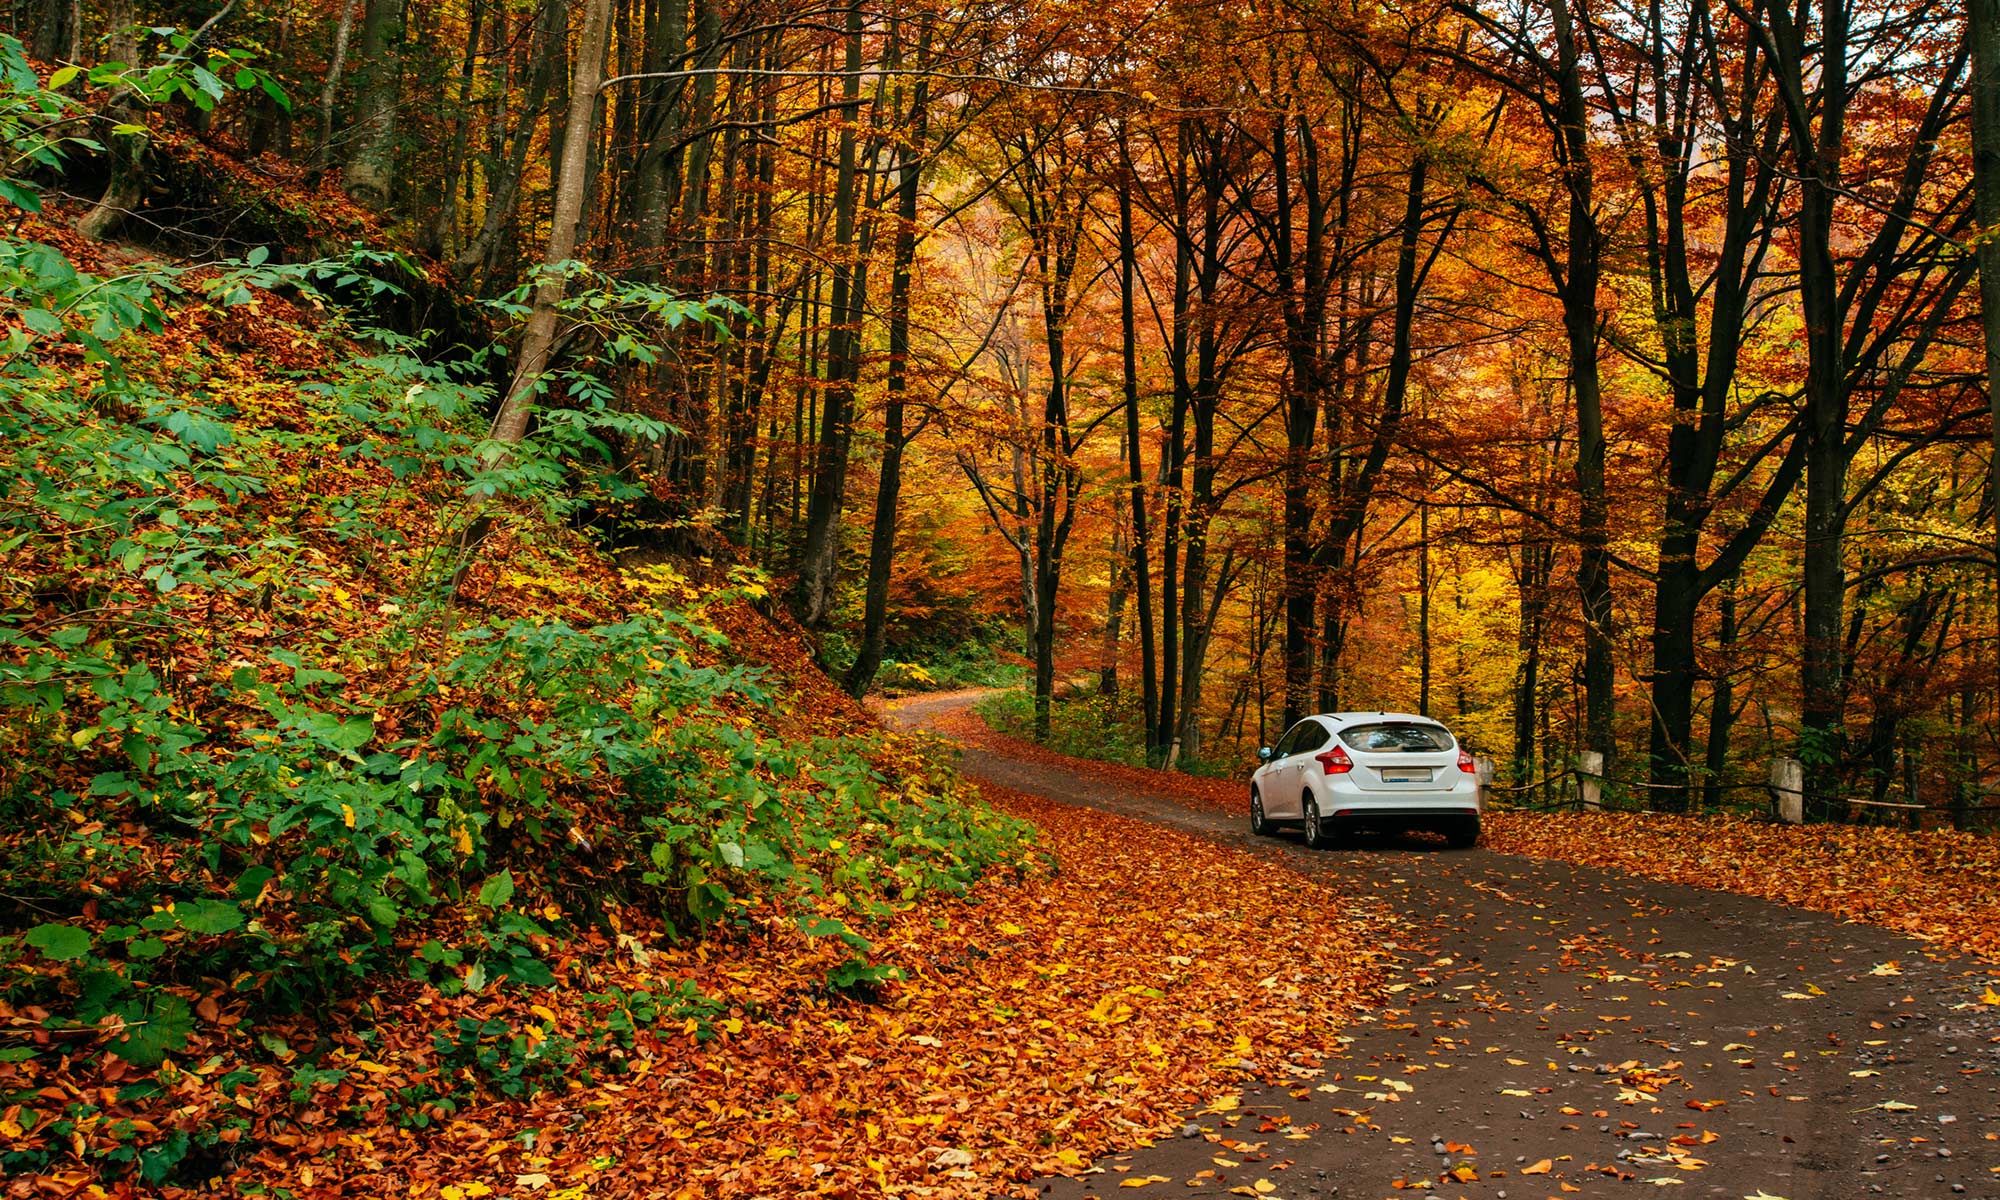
1318, 836
1260, 825
1462, 833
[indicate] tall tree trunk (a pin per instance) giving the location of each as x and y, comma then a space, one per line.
889, 486
273, 121
1423, 609
438, 233
1853, 338
1060, 237
1142, 570
1722, 701
1353, 484
819, 559
1023, 535
1675, 599
59, 31
1536, 558
1204, 402
1173, 457
693, 181
1114, 601
1302, 289
510, 423
370, 173
128, 151
1657, 128
1982, 31
1822, 731
764, 333
1333, 628
1579, 301
1966, 758
503, 189
1816, 156
662, 118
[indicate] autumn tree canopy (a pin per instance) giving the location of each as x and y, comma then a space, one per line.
1601, 377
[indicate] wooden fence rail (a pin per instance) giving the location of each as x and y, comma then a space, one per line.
1785, 786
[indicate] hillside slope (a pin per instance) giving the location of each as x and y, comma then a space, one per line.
323, 879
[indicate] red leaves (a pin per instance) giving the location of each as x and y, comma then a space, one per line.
1935, 885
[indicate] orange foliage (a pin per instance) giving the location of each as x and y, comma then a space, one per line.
1045, 1020
1936, 885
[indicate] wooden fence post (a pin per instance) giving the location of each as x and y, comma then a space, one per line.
1590, 775
1788, 790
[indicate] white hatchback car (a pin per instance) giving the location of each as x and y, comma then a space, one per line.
1335, 772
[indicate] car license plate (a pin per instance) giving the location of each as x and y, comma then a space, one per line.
1406, 774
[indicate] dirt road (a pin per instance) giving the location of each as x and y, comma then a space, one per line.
1562, 1031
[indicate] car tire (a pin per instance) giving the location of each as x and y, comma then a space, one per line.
1318, 836
1463, 833
1260, 825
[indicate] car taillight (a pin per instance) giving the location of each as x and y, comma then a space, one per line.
1335, 761
1465, 764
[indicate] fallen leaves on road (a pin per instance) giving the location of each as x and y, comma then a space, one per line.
1935, 884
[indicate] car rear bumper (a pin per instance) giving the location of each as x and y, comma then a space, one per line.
1356, 805
1401, 814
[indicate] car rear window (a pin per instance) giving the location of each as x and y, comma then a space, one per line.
1388, 737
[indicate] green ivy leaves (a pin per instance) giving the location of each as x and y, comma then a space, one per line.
207, 916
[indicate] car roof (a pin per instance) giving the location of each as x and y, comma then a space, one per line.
1341, 720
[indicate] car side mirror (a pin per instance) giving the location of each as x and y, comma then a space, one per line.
1263, 754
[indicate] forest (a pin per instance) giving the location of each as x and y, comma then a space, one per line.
1599, 378
466, 467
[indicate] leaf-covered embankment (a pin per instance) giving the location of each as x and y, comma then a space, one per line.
291, 783
325, 873
1935, 884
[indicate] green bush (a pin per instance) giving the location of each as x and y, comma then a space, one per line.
916, 666
963, 663
1108, 729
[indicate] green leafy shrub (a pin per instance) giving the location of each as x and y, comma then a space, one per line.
975, 662
924, 665
1107, 729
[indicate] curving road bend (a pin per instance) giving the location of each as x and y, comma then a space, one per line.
1563, 1031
